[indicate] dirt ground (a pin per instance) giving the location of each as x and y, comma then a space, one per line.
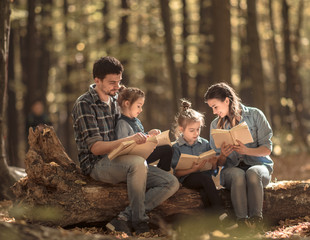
293, 167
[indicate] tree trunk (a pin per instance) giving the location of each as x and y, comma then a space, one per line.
29, 57
106, 30
12, 231
246, 89
298, 86
289, 74
13, 126
221, 47
6, 177
184, 67
165, 15
123, 40
204, 74
276, 107
56, 193
255, 59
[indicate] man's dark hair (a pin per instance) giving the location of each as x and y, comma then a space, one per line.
107, 65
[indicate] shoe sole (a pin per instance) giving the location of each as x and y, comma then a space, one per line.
110, 227
232, 227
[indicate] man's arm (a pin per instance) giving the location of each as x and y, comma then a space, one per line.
105, 147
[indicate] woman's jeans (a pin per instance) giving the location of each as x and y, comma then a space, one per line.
246, 186
147, 186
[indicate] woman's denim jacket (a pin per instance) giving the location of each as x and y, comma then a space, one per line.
261, 133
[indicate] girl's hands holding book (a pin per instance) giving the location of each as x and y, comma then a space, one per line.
154, 132
139, 138
197, 166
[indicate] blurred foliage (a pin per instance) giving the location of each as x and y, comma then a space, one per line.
83, 31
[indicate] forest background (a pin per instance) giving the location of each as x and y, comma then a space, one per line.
170, 49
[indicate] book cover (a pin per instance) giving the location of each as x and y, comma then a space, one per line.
240, 132
186, 160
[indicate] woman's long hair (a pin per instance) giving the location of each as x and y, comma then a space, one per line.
221, 91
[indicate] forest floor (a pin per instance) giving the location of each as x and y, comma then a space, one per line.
295, 167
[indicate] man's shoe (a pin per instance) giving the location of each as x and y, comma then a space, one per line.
227, 223
256, 223
140, 227
119, 225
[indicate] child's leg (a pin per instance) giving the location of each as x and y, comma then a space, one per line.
204, 182
164, 155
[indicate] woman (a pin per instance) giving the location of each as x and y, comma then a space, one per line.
247, 168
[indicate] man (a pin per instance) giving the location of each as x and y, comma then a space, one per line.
94, 115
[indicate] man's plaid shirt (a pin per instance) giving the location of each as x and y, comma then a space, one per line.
93, 121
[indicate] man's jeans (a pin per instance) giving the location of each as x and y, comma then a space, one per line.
247, 189
147, 186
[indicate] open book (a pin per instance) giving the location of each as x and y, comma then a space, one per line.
240, 132
144, 150
186, 160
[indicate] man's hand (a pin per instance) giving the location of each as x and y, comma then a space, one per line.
139, 138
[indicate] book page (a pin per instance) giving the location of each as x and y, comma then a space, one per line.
242, 133
145, 149
207, 155
220, 136
163, 138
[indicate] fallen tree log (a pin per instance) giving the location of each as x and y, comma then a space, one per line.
56, 193
30, 232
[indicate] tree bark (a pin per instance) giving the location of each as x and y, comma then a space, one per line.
221, 49
31, 232
55, 192
204, 72
276, 107
184, 67
165, 15
124, 44
6, 177
255, 59
246, 88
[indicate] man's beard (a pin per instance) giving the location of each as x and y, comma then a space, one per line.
112, 93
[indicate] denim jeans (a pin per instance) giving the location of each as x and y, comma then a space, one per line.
247, 189
147, 186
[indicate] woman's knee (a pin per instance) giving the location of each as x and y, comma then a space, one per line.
238, 179
253, 177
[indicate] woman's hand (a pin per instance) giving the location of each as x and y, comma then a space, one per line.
241, 148
213, 161
154, 132
226, 150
